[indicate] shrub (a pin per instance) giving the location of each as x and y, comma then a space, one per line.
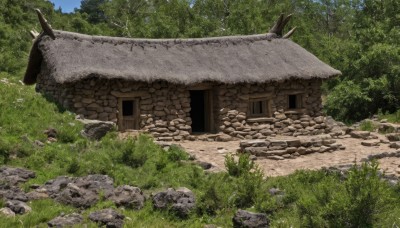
237, 168
362, 199
367, 126
248, 179
131, 156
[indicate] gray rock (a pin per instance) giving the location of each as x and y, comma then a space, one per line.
393, 137
95, 129
18, 207
180, 202
223, 138
78, 191
370, 143
7, 212
67, 220
204, 165
395, 145
360, 134
15, 176
248, 219
77, 197
107, 217
128, 196
12, 193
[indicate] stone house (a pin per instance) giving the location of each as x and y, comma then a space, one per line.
244, 86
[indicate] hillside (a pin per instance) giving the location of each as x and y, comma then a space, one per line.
306, 198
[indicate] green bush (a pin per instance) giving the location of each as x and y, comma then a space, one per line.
367, 126
238, 168
348, 102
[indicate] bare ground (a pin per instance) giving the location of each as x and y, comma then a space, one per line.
214, 152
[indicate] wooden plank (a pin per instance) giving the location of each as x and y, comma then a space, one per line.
130, 94
200, 86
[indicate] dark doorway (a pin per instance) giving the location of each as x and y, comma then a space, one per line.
292, 101
197, 112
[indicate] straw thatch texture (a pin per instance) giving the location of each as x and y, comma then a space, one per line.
257, 58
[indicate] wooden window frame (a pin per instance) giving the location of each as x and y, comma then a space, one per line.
299, 101
266, 106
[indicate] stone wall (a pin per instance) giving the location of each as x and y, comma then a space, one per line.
165, 107
233, 103
290, 147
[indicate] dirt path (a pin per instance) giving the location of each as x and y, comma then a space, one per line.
214, 152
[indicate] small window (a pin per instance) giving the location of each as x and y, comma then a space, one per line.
258, 108
127, 108
295, 101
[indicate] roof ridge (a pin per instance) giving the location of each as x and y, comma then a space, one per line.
190, 41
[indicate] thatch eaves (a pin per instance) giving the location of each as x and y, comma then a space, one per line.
71, 57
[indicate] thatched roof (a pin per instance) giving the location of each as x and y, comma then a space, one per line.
71, 57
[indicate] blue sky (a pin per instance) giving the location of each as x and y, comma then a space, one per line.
67, 6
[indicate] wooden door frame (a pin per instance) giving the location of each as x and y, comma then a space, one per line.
120, 112
208, 106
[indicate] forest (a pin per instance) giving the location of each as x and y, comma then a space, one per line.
359, 37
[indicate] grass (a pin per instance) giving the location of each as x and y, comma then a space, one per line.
367, 125
309, 199
391, 117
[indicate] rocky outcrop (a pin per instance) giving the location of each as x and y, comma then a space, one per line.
108, 217
180, 202
14, 176
95, 129
80, 192
129, 197
66, 220
246, 219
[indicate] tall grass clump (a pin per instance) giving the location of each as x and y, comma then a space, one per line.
367, 125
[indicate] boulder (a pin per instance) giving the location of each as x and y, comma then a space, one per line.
66, 221
395, 145
360, 134
393, 137
14, 176
181, 201
248, 219
223, 138
78, 191
18, 207
7, 212
96, 129
128, 196
77, 197
107, 217
12, 193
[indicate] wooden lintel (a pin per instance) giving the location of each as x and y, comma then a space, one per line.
292, 92
256, 96
130, 94
200, 86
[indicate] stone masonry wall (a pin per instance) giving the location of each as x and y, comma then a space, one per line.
165, 107
233, 103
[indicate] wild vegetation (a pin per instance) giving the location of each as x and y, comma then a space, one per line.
360, 38
323, 198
